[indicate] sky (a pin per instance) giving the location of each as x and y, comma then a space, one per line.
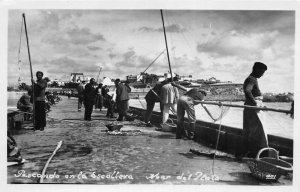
203, 43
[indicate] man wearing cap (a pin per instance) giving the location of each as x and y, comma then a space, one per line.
186, 104
254, 136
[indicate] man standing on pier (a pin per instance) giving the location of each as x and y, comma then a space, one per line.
169, 96
89, 99
152, 97
39, 87
80, 90
186, 104
254, 136
122, 91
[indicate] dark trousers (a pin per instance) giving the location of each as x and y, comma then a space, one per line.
150, 107
110, 108
40, 114
88, 105
123, 107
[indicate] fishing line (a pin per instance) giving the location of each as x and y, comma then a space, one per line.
217, 143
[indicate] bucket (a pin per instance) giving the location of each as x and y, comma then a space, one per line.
168, 127
114, 127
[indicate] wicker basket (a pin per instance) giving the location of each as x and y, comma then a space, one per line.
268, 168
168, 127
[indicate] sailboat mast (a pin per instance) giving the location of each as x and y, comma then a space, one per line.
28, 46
162, 17
33, 103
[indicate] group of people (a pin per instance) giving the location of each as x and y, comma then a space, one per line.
92, 94
166, 93
39, 100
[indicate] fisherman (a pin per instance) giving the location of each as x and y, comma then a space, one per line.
39, 87
186, 104
122, 99
80, 89
89, 99
169, 96
99, 97
110, 99
24, 104
152, 97
254, 136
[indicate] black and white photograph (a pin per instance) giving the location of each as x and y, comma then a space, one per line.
150, 95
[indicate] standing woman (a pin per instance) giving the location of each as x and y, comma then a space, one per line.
254, 135
39, 87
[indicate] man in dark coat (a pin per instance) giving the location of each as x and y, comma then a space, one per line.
89, 99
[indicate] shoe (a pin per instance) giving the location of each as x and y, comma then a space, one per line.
190, 135
119, 119
79, 109
149, 124
158, 129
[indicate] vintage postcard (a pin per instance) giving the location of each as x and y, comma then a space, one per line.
150, 95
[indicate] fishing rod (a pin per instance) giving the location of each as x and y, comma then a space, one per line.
33, 95
162, 17
244, 106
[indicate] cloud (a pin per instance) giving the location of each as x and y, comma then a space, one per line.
112, 55
68, 65
174, 28
238, 44
129, 54
94, 48
83, 36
